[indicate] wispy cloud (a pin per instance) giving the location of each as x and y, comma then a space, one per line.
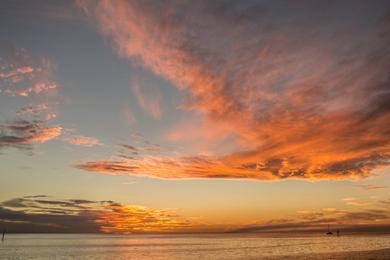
370, 219
151, 104
371, 186
37, 110
355, 202
55, 12
128, 147
82, 140
303, 97
14, 74
128, 115
129, 182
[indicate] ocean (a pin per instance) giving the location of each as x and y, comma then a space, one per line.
206, 246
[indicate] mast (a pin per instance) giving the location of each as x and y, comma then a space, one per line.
329, 232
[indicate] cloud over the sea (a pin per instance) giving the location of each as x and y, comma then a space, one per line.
305, 92
43, 213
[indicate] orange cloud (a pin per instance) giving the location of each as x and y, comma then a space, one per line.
212, 167
134, 219
306, 99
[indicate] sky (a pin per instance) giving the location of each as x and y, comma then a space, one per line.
194, 116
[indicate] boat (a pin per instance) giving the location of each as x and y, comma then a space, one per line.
329, 232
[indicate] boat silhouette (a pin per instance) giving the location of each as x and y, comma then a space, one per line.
329, 232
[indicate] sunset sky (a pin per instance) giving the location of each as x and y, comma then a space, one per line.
193, 116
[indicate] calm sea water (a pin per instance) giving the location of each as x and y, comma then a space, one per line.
172, 247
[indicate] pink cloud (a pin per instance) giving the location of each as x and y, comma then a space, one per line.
22, 76
82, 140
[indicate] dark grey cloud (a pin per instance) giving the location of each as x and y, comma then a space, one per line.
51, 221
128, 147
40, 213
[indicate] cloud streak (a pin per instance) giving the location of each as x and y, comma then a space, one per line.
150, 104
82, 140
303, 97
371, 186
